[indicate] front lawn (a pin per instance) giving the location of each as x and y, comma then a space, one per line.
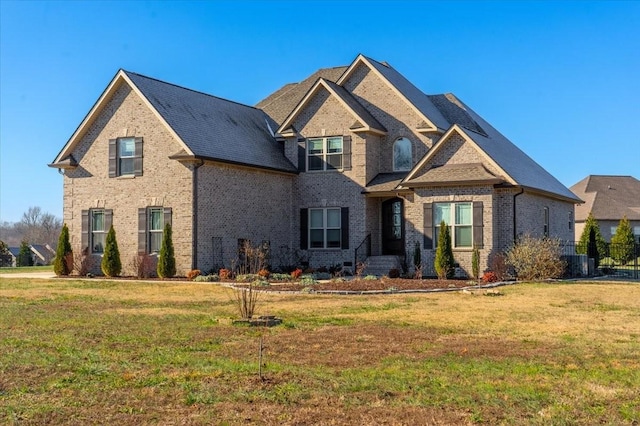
123, 352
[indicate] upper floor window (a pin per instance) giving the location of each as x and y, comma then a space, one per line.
324, 153
402, 159
125, 157
459, 218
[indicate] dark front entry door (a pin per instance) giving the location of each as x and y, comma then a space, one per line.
393, 227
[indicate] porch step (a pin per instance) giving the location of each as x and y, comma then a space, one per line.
380, 265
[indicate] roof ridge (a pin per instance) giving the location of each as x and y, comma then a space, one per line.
191, 90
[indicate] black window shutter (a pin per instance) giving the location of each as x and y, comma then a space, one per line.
302, 155
167, 216
346, 153
428, 225
344, 223
108, 219
142, 230
478, 226
304, 229
84, 238
137, 161
113, 160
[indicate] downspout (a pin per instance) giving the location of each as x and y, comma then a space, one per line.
515, 233
194, 216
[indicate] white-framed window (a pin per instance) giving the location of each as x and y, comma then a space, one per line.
613, 230
156, 228
325, 228
324, 153
126, 156
402, 159
545, 228
459, 219
97, 231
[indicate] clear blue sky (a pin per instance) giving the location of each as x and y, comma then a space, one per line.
560, 79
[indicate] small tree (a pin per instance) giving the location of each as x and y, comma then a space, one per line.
5, 255
592, 249
475, 262
63, 263
25, 258
591, 224
111, 265
622, 243
166, 257
444, 262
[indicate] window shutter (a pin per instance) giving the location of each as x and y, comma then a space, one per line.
137, 162
428, 225
167, 216
84, 238
304, 229
113, 160
478, 226
142, 230
108, 219
344, 223
302, 155
346, 153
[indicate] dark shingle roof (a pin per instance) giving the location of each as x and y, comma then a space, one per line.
281, 102
215, 128
608, 197
385, 182
452, 174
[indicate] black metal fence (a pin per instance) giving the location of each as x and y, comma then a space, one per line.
614, 260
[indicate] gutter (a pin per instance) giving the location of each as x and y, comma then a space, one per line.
515, 233
194, 217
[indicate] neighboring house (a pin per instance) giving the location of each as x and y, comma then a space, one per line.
609, 198
351, 157
43, 254
14, 252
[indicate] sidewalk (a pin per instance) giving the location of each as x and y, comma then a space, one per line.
42, 275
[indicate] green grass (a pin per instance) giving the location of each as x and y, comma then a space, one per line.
99, 352
24, 269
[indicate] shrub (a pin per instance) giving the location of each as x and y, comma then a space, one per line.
166, 257
444, 263
308, 280
25, 258
623, 243
296, 273
83, 262
224, 274
280, 277
63, 263
370, 278
207, 278
246, 278
264, 273
111, 265
246, 300
144, 265
489, 277
536, 259
498, 265
591, 225
192, 274
475, 262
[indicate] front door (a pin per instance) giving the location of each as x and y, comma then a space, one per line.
393, 227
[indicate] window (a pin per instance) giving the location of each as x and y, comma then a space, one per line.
324, 153
613, 230
156, 228
402, 155
151, 223
324, 228
570, 220
459, 218
636, 231
125, 157
545, 230
98, 233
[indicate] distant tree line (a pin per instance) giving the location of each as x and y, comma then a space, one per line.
35, 227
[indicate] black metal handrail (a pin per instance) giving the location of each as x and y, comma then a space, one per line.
359, 257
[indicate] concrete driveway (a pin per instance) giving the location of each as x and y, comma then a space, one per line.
43, 275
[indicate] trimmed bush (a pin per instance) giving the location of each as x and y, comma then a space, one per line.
25, 257
622, 243
166, 257
111, 265
63, 263
444, 262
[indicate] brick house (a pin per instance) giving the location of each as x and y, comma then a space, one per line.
352, 160
609, 199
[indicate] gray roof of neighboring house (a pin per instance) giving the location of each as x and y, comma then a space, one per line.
15, 251
43, 252
215, 128
281, 102
608, 197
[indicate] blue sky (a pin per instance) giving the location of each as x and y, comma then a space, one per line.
560, 79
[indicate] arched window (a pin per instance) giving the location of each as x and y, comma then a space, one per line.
402, 155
